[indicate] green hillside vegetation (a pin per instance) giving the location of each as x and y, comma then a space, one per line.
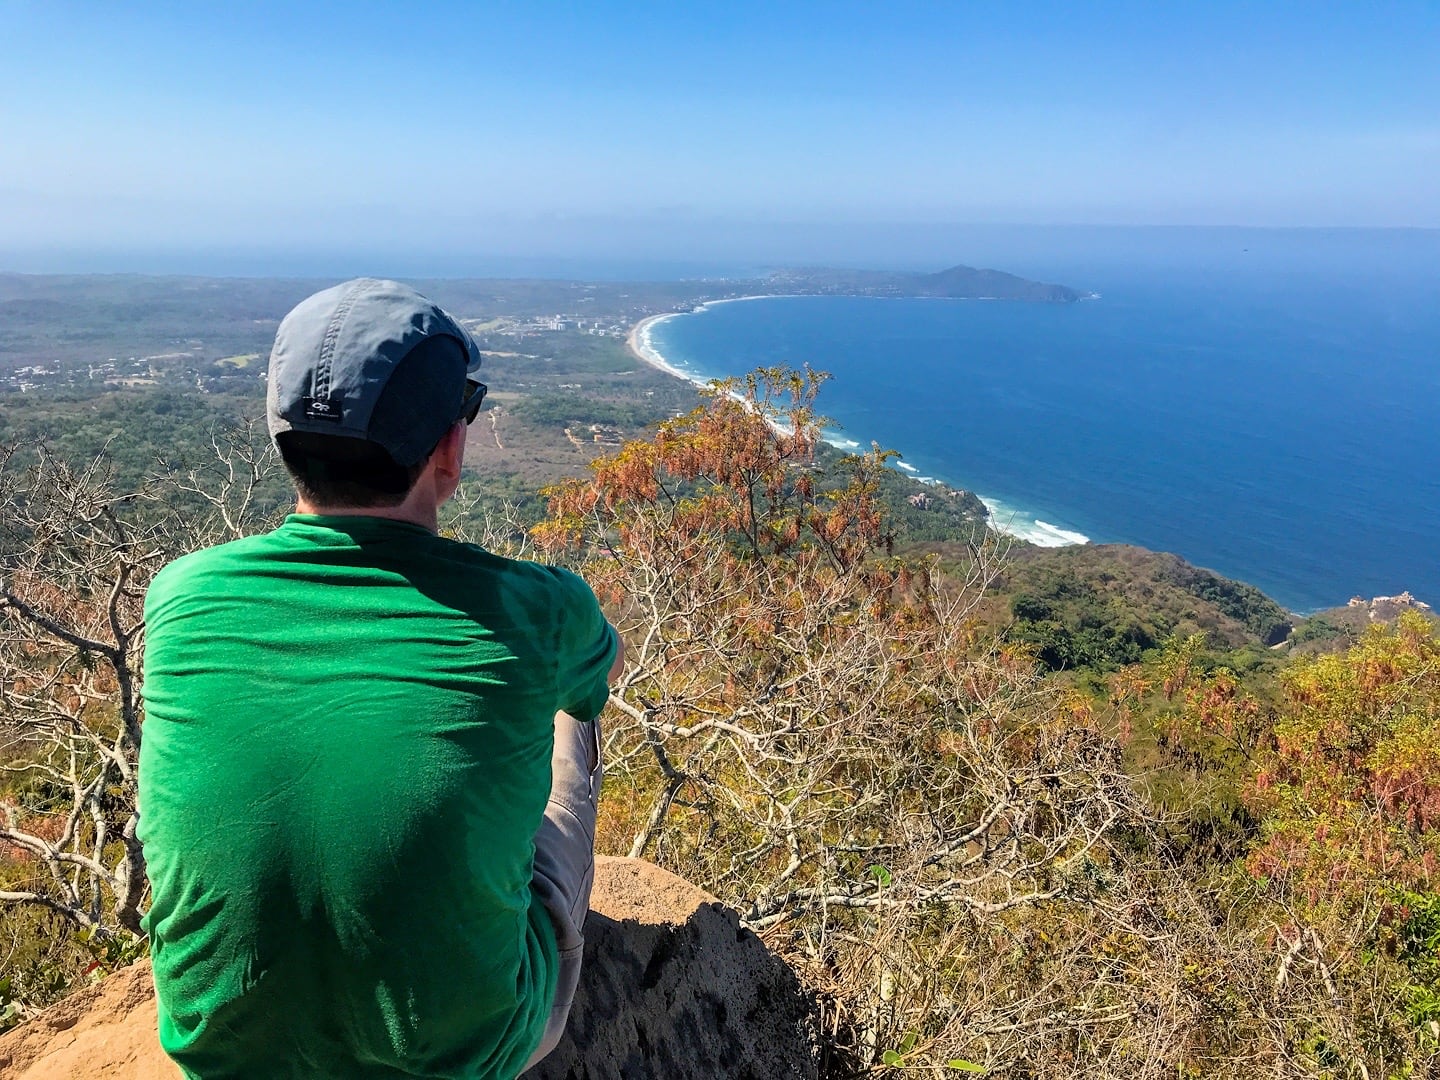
924, 513
1099, 607
141, 432
1338, 629
571, 408
956, 282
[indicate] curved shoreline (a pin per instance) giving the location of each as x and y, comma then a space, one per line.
1001, 516
638, 340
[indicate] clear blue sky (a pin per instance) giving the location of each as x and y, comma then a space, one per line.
505, 127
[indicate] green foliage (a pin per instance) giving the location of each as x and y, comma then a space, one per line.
938, 516
1415, 919
1318, 628
1098, 608
10, 1014
572, 408
900, 1056
141, 432
1257, 613
44, 959
47, 959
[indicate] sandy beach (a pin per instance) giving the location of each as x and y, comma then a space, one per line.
640, 347
639, 338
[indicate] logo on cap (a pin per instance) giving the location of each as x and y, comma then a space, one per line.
322, 409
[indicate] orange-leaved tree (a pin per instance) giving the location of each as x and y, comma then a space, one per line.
1342, 772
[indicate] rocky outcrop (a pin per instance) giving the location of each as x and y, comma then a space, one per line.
673, 987
1387, 608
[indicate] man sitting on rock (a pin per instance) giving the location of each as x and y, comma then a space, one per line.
371, 754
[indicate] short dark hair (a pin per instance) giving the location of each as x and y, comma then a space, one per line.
336, 472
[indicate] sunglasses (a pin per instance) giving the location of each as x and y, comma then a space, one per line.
470, 404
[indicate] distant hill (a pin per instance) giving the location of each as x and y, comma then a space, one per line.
1100, 606
956, 283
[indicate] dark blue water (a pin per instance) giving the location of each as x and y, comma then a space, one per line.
1276, 424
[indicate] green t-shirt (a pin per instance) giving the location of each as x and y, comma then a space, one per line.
346, 756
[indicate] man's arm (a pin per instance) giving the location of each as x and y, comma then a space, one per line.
590, 652
618, 667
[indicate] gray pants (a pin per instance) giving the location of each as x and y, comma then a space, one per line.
565, 858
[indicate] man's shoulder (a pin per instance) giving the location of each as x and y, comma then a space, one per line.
562, 584
205, 562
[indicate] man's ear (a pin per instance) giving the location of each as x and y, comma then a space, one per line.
449, 455
457, 433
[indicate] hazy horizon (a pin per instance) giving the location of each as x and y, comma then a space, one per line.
808, 132
739, 251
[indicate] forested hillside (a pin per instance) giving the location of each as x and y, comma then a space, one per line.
1100, 607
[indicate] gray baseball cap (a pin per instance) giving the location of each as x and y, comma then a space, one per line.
373, 360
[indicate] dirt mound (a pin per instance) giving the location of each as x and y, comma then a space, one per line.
106, 1030
672, 987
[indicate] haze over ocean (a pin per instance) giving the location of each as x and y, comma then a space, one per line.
1263, 405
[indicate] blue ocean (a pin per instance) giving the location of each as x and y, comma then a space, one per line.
1264, 406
